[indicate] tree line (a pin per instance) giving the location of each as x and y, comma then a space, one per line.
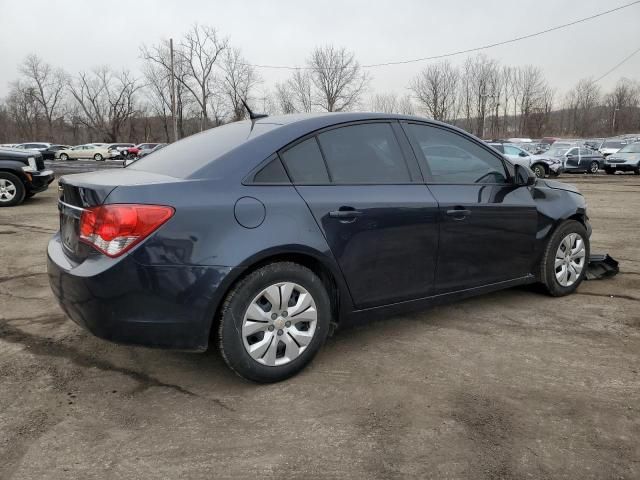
213, 80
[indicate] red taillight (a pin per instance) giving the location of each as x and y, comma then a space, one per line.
114, 229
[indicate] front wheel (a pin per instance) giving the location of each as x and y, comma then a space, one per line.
273, 322
564, 263
539, 171
593, 167
12, 190
64, 157
98, 158
609, 171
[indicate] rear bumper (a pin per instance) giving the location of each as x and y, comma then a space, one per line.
126, 302
40, 181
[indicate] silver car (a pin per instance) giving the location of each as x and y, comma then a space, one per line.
627, 159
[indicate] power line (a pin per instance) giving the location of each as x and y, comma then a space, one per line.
469, 50
614, 68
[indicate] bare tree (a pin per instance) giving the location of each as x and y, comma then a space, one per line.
300, 86
285, 98
47, 85
240, 79
582, 100
337, 78
106, 100
480, 79
24, 109
384, 103
199, 51
622, 104
158, 93
436, 90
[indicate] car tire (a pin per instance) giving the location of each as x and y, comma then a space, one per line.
593, 167
236, 335
98, 158
609, 171
539, 171
637, 170
12, 191
552, 259
64, 157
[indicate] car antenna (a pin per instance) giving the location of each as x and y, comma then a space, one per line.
253, 116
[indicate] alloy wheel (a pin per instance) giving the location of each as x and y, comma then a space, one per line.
570, 259
593, 168
539, 171
7, 190
279, 324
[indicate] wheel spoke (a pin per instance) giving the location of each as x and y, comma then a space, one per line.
577, 268
255, 312
559, 262
258, 349
303, 338
272, 294
285, 291
291, 347
250, 328
270, 357
303, 303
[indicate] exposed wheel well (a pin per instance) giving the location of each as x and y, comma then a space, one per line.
313, 264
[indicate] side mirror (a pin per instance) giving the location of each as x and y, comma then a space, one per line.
523, 154
524, 176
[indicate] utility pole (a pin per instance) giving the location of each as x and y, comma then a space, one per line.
613, 124
174, 119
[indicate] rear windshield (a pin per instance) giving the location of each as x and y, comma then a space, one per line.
182, 159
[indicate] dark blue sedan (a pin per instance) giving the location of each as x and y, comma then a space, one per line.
265, 235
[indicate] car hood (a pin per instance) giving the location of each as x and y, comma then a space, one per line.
625, 156
546, 158
556, 185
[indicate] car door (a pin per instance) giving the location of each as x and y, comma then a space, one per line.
572, 160
367, 196
487, 224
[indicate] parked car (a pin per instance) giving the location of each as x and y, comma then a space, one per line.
134, 152
575, 158
90, 150
38, 146
611, 146
266, 234
627, 159
22, 175
144, 152
118, 150
50, 152
541, 165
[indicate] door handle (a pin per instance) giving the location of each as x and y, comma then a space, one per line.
345, 213
459, 213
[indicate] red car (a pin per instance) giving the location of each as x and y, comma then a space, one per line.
133, 152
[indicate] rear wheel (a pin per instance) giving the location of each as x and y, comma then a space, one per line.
64, 157
564, 263
273, 322
593, 167
539, 171
98, 158
12, 190
637, 170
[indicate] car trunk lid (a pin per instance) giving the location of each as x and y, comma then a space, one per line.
79, 192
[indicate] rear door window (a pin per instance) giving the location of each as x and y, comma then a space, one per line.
364, 154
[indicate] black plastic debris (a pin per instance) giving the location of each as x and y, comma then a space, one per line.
601, 266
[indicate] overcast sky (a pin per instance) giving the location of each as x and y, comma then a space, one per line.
78, 35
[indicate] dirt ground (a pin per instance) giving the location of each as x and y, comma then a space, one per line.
509, 385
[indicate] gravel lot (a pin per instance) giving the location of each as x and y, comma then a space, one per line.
510, 385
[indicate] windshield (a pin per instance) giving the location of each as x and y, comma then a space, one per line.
631, 148
556, 151
612, 145
183, 158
